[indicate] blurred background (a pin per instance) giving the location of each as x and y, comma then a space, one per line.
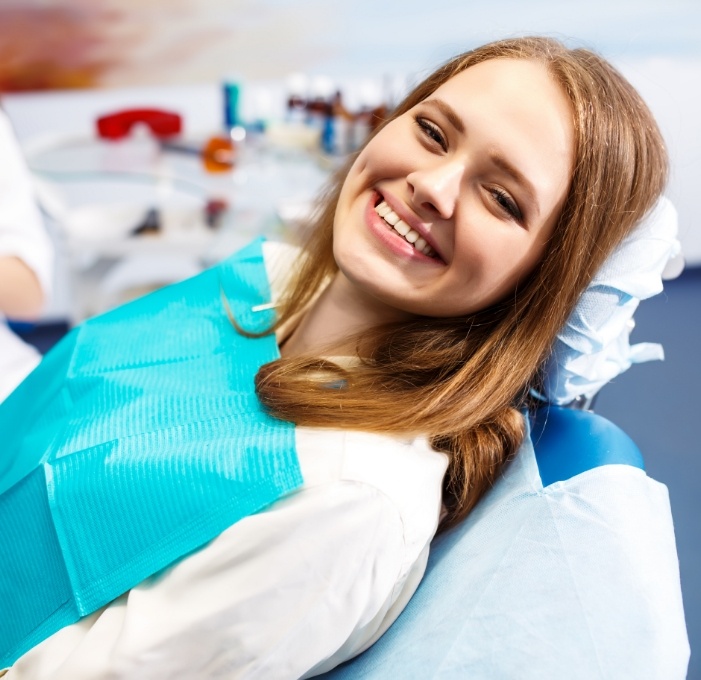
269, 95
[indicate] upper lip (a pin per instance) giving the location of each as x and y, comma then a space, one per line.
410, 218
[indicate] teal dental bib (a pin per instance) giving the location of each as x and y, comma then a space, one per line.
137, 440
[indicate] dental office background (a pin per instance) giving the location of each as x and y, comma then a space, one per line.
64, 63
68, 61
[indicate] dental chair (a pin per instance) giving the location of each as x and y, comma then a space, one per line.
567, 568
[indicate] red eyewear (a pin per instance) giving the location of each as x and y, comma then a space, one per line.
118, 125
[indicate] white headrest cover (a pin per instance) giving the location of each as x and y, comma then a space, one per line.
594, 347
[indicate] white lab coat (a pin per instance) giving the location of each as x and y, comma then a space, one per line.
22, 235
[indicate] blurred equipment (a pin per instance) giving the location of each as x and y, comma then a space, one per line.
119, 125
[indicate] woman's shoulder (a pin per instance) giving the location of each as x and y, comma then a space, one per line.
406, 471
394, 465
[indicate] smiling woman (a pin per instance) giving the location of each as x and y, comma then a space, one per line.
187, 532
521, 164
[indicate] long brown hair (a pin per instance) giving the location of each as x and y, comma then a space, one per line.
461, 381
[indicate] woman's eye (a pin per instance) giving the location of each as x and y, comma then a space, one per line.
507, 204
432, 132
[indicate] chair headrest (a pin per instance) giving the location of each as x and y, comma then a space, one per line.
593, 347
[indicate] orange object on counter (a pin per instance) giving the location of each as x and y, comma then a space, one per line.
218, 154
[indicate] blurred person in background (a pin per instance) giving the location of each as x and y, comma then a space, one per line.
26, 260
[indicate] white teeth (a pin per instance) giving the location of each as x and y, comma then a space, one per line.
391, 217
402, 227
383, 209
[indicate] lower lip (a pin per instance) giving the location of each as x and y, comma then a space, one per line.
390, 238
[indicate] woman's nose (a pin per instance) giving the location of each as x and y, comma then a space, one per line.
436, 189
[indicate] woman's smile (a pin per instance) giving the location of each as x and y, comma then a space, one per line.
400, 237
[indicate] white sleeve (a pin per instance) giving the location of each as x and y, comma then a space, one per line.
274, 596
22, 232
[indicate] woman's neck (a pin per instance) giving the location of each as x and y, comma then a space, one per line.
334, 318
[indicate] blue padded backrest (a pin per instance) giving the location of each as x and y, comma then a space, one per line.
591, 441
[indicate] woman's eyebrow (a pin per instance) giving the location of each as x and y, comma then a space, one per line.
448, 111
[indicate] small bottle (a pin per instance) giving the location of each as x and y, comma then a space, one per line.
336, 136
233, 123
319, 101
297, 87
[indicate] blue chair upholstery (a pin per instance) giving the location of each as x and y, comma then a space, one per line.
591, 440
435, 637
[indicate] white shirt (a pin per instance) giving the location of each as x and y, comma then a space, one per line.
287, 593
22, 235
290, 592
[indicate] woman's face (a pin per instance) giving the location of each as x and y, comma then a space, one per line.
475, 176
